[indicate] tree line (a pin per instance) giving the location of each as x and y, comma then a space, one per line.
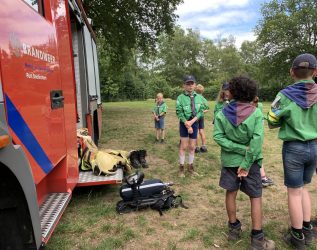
158, 54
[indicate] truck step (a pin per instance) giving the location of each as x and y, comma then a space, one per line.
50, 212
87, 178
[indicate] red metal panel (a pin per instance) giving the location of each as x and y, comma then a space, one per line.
61, 18
30, 70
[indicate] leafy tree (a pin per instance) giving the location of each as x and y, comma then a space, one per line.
287, 28
131, 24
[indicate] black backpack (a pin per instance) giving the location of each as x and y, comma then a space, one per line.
137, 194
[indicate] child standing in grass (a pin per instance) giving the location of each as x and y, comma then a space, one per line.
201, 122
223, 99
159, 113
266, 181
294, 110
189, 109
238, 129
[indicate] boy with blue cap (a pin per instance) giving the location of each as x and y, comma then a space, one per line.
294, 111
189, 109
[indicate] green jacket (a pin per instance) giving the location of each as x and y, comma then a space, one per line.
295, 122
235, 140
160, 109
183, 106
205, 105
218, 107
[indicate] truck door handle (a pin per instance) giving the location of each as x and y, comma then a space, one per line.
57, 99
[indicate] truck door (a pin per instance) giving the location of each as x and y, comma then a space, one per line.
32, 86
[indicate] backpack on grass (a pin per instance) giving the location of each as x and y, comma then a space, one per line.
138, 194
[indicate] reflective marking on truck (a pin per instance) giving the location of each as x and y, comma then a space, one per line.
22, 130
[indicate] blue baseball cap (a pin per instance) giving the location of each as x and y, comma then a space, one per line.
189, 78
225, 86
305, 61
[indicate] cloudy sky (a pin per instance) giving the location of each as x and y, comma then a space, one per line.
216, 18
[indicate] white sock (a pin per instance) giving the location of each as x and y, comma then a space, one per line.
182, 159
191, 158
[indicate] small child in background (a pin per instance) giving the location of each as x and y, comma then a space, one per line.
223, 99
201, 122
159, 113
266, 181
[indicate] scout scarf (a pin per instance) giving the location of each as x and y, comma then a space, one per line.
238, 112
304, 94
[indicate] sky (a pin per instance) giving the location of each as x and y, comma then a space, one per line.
216, 18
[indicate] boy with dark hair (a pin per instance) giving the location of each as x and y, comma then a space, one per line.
189, 109
294, 110
238, 129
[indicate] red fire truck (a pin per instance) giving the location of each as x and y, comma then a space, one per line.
49, 87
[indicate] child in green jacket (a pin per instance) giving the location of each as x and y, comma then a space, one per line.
294, 111
189, 109
238, 129
159, 113
223, 98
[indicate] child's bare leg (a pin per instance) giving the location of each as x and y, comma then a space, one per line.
202, 136
197, 141
183, 146
192, 146
231, 205
157, 134
295, 206
306, 203
262, 170
163, 134
256, 213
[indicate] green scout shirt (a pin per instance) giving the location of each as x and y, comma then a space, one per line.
235, 140
295, 123
218, 107
160, 108
183, 106
205, 105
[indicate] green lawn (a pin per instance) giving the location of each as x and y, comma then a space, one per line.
90, 221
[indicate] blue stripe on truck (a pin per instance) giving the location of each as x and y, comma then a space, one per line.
22, 130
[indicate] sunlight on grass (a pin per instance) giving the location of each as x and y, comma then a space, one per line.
91, 222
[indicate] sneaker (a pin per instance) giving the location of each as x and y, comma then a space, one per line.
266, 181
197, 150
203, 149
162, 141
260, 243
310, 235
234, 233
314, 223
181, 172
293, 241
191, 170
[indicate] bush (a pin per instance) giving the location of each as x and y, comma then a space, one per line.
268, 93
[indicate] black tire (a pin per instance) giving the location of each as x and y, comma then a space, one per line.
123, 208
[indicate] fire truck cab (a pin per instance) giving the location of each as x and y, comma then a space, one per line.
49, 87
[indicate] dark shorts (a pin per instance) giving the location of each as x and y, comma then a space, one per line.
183, 132
299, 162
201, 123
250, 185
160, 123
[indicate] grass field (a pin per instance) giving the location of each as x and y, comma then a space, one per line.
90, 221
